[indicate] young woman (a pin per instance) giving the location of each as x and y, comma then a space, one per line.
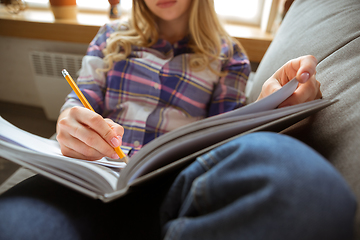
174, 64
171, 65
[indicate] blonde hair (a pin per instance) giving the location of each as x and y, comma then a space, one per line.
206, 35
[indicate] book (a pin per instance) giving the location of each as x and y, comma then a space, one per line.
107, 180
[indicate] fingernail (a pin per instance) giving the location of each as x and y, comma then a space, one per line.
115, 142
115, 156
304, 77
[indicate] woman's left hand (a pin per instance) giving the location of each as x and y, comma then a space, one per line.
304, 69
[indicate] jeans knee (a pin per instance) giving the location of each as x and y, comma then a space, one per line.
304, 180
270, 182
290, 160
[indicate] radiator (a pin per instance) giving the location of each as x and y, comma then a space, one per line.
51, 85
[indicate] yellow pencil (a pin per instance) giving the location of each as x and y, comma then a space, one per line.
88, 106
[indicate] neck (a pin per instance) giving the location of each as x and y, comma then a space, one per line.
173, 31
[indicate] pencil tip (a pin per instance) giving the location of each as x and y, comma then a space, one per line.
125, 159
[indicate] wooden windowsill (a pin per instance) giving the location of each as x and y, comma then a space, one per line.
40, 24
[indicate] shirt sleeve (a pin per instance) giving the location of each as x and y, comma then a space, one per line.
229, 93
92, 83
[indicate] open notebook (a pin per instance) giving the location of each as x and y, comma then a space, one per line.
108, 180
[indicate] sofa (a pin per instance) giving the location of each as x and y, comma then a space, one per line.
330, 31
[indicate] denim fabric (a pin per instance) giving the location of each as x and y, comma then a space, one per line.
40, 209
260, 186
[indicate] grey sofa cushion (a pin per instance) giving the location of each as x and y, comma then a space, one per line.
329, 30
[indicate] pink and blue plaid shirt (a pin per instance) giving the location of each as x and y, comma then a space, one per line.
154, 90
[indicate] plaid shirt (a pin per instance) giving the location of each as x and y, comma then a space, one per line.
154, 90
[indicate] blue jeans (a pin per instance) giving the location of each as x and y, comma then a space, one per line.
260, 186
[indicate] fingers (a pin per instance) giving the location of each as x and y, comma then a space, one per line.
305, 92
77, 149
270, 86
304, 70
118, 129
96, 123
88, 134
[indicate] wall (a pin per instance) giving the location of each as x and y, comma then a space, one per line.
17, 84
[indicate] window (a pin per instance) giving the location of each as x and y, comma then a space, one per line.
242, 11
236, 11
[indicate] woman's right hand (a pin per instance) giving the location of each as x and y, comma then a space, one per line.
85, 134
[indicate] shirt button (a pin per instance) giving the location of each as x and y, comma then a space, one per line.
156, 86
136, 143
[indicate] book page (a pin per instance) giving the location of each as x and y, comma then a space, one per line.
10, 133
267, 103
41, 153
77, 171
